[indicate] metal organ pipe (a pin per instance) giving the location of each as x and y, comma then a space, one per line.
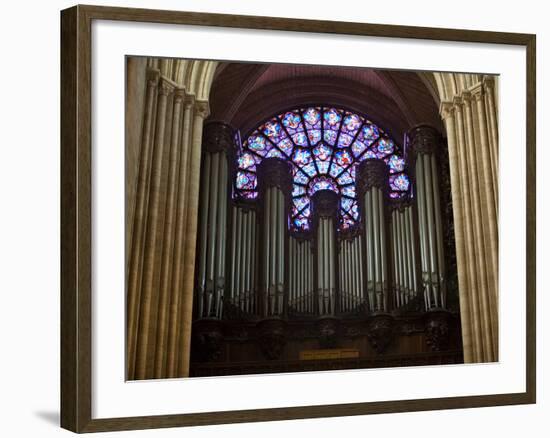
408, 242
273, 245
237, 272
370, 250
267, 250
204, 227
361, 296
413, 252
438, 230
221, 223
424, 143
246, 262
233, 250
253, 264
423, 232
431, 232
281, 255
394, 259
213, 208
382, 221
403, 238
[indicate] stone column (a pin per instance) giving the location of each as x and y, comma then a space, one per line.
447, 113
470, 121
179, 243
372, 188
153, 229
201, 111
136, 252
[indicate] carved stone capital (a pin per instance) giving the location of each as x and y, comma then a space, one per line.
477, 91
372, 173
458, 103
423, 139
274, 172
446, 109
217, 136
179, 95
189, 102
489, 82
202, 109
152, 76
466, 96
166, 87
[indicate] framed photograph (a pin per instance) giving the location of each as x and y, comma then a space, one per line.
324, 218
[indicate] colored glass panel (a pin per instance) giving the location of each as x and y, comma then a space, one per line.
293, 132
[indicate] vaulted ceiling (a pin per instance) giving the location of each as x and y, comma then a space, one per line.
245, 94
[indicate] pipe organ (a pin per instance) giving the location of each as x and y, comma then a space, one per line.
213, 226
251, 266
242, 293
351, 278
423, 146
403, 253
372, 186
325, 205
301, 300
274, 180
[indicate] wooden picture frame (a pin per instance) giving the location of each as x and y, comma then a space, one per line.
76, 218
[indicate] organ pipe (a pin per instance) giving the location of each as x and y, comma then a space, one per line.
212, 236
423, 142
370, 250
403, 252
275, 181
372, 181
408, 247
413, 252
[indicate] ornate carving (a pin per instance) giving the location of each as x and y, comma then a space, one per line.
380, 332
422, 139
233, 312
325, 203
477, 91
372, 173
189, 102
179, 95
166, 87
272, 338
207, 339
217, 137
437, 330
202, 109
446, 109
329, 330
351, 232
274, 172
400, 204
152, 77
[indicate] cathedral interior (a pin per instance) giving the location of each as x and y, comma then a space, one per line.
287, 218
